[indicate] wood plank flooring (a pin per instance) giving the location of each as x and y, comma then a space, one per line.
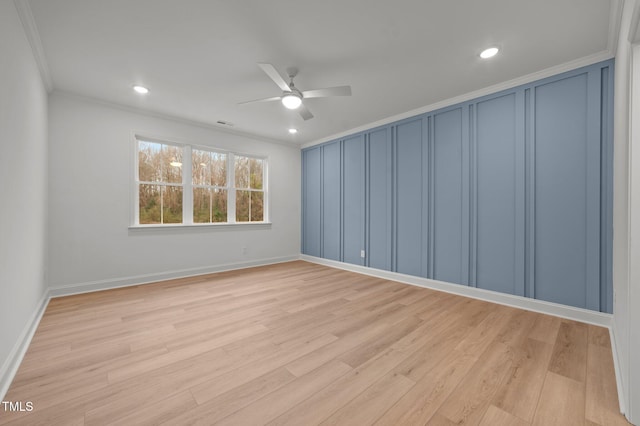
302, 344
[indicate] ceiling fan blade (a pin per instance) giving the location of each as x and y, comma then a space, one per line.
274, 75
304, 112
329, 91
274, 98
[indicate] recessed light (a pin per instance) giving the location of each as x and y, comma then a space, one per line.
141, 89
293, 131
489, 53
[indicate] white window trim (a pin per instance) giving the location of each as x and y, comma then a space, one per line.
191, 186
231, 184
265, 174
187, 189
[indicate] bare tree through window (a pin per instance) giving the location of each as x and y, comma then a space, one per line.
207, 188
160, 183
249, 179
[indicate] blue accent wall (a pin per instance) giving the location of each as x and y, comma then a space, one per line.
378, 200
408, 256
331, 201
498, 202
450, 241
511, 192
311, 190
353, 199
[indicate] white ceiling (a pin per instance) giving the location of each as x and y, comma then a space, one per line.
198, 57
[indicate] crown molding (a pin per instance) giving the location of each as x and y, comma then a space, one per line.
634, 27
169, 117
519, 81
31, 31
615, 19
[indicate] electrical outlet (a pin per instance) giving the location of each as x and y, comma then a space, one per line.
244, 250
362, 254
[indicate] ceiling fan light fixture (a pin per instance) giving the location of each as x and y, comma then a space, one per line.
291, 97
291, 100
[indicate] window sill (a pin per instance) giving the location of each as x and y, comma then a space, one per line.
198, 227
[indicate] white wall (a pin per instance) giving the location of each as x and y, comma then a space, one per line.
623, 217
634, 241
23, 188
90, 169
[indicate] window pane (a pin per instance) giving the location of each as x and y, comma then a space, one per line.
161, 165
219, 205
242, 172
201, 164
171, 164
218, 169
257, 206
150, 204
201, 205
243, 199
255, 166
172, 204
149, 161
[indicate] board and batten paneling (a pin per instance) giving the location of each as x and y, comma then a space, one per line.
331, 201
510, 192
353, 191
449, 243
498, 195
408, 256
311, 196
565, 212
378, 203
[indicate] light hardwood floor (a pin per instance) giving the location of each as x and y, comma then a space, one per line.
302, 344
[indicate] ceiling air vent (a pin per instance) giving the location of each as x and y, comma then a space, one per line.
224, 123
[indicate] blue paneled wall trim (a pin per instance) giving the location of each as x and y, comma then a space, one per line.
511, 192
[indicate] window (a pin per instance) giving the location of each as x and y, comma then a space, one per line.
249, 174
160, 183
181, 184
210, 192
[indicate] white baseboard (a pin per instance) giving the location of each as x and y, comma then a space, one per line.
11, 364
616, 368
555, 309
13, 361
91, 286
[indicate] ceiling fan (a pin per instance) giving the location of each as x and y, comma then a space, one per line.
292, 97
